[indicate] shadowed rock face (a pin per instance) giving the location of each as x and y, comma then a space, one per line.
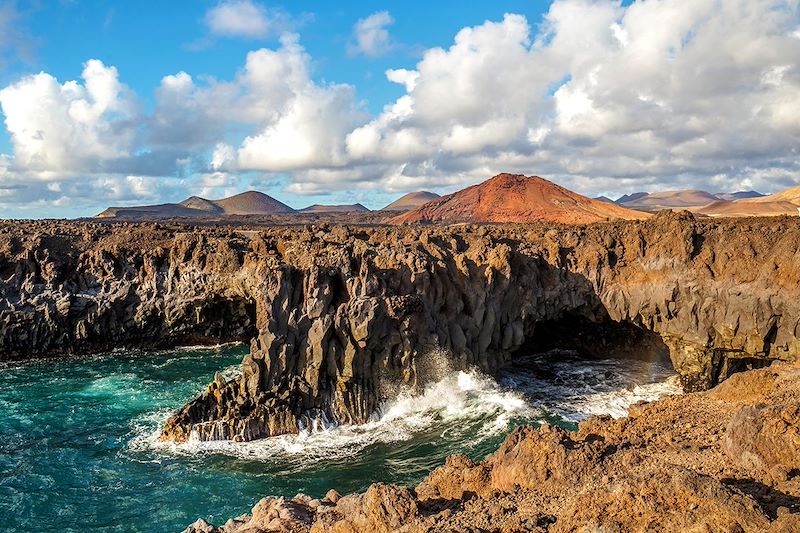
336, 313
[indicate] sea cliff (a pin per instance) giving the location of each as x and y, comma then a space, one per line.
337, 314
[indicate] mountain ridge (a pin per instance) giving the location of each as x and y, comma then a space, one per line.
244, 203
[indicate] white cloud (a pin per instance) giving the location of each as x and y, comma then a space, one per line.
293, 122
481, 93
604, 97
62, 128
224, 157
310, 132
243, 18
405, 77
371, 36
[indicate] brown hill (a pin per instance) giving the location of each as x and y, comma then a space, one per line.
786, 202
411, 200
787, 195
605, 199
252, 203
738, 195
246, 203
345, 208
196, 202
517, 198
656, 201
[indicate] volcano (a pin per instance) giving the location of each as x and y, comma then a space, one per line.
517, 198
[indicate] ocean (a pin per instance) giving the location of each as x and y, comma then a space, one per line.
79, 448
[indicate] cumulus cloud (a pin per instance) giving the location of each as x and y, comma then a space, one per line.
243, 18
371, 36
96, 127
605, 97
601, 97
293, 121
71, 127
481, 94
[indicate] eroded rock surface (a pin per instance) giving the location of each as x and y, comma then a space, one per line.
666, 467
338, 315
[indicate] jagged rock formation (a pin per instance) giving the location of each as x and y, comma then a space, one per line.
517, 198
335, 313
722, 461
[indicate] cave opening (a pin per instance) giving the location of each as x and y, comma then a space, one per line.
575, 367
220, 320
595, 339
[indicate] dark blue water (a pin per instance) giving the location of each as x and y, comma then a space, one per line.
78, 450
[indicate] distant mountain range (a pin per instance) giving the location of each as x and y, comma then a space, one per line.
741, 195
246, 203
319, 208
786, 202
682, 199
503, 198
722, 204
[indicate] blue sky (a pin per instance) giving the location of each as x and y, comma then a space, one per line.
574, 90
147, 40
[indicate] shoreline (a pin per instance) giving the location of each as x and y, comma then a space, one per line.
702, 463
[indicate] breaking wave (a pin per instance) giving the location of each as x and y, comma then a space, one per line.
459, 407
462, 405
574, 388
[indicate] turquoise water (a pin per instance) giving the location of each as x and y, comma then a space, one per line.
78, 448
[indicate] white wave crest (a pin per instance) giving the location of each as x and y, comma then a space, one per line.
464, 404
459, 406
575, 389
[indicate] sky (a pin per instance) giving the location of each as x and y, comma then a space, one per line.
130, 103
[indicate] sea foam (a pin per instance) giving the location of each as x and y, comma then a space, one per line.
459, 406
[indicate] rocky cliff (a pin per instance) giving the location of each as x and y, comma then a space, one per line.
720, 461
336, 315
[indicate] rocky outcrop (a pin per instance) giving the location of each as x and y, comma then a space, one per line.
763, 436
669, 466
78, 288
337, 315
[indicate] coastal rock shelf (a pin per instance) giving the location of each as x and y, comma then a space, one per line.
724, 460
337, 315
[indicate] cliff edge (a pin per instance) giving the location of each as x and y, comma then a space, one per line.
335, 313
